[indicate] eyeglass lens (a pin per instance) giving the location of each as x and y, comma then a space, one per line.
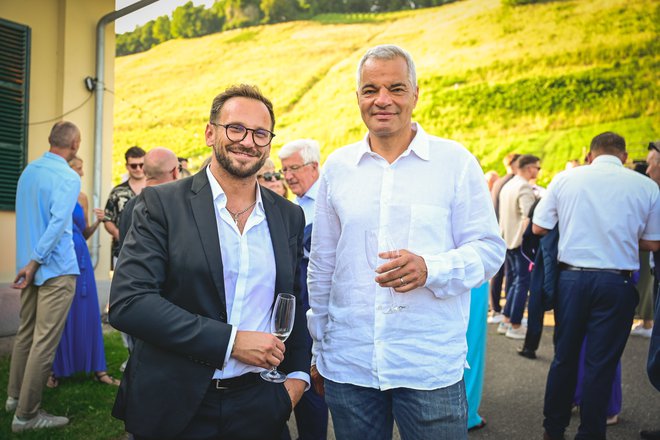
135, 166
236, 133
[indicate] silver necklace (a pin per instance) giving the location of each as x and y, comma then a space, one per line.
236, 215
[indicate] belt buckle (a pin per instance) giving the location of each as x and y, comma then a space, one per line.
218, 387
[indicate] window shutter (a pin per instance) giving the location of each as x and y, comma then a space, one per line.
14, 87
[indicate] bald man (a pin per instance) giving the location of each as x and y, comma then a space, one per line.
160, 166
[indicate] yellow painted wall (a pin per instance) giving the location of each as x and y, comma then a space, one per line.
63, 53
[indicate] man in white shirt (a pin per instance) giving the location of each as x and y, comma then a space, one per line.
300, 168
605, 214
516, 200
200, 269
382, 357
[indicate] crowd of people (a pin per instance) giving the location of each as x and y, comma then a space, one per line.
391, 251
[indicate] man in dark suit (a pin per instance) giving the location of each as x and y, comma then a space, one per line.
197, 278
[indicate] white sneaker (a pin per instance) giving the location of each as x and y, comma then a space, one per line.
495, 318
639, 330
11, 404
503, 327
516, 333
40, 421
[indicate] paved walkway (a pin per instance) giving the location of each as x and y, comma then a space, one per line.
514, 386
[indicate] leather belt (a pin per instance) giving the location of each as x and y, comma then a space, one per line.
625, 273
234, 382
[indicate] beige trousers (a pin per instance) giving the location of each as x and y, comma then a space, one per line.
44, 310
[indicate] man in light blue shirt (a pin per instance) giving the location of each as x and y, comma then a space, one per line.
46, 267
300, 168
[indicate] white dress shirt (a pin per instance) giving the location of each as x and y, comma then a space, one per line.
433, 201
248, 263
603, 210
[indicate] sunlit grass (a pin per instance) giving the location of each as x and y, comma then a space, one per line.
85, 402
540, 78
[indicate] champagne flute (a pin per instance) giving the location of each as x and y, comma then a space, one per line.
281, 324
372, 249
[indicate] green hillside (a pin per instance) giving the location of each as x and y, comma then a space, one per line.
541, 79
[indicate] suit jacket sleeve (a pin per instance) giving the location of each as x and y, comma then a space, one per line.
297, 355
153, 301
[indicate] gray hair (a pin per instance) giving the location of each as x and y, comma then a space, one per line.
309, 150
388, 52
63, 134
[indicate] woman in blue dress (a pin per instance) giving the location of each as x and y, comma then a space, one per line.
81, 347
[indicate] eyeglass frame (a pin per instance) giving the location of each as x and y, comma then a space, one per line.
135, 166
268, 176
294, 168
253, 130
653, 146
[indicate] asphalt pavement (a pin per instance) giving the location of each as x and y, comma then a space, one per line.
512, 401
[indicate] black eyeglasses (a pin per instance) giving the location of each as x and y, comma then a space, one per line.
270, 176
294, 168
135, 166
236, 133
653, 146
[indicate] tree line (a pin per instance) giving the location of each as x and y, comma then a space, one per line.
189, 21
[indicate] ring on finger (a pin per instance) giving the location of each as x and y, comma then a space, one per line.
403, 283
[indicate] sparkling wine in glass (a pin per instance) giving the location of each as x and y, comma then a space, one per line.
281, 324
373, 248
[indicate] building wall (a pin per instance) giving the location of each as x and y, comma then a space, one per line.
63, 53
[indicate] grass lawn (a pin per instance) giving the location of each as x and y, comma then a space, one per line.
84, 401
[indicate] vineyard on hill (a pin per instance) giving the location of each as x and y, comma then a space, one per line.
541, 79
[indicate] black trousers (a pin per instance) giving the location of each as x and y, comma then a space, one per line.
258, 411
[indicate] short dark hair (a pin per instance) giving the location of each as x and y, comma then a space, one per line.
527, 159
654, 146
240, 91
608, 143
181, 159
510, 158
63, 134
134, 152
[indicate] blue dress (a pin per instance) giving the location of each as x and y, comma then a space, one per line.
476, 354
81, 347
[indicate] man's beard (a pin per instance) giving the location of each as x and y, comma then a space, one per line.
223, 159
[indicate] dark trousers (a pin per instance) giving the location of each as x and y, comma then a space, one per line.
535, 315
600, 306
311, 417
496, 287
257, 411
516, 295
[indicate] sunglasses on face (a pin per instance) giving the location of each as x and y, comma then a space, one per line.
135, 166
269, 176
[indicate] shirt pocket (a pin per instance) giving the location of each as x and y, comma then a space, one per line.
430, 229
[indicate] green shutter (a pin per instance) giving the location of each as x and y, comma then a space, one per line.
14, 87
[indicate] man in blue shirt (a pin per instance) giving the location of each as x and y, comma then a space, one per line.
46, 273
300, 167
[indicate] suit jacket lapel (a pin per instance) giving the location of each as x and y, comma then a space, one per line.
280, 239
203, 210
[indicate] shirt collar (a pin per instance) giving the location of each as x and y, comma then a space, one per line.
54, 156
419, 145
607, 159
219, 195
311, 192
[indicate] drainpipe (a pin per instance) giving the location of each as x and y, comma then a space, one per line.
98, 109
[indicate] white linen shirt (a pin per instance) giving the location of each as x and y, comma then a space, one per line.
248, 263
603, 210
434, 201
